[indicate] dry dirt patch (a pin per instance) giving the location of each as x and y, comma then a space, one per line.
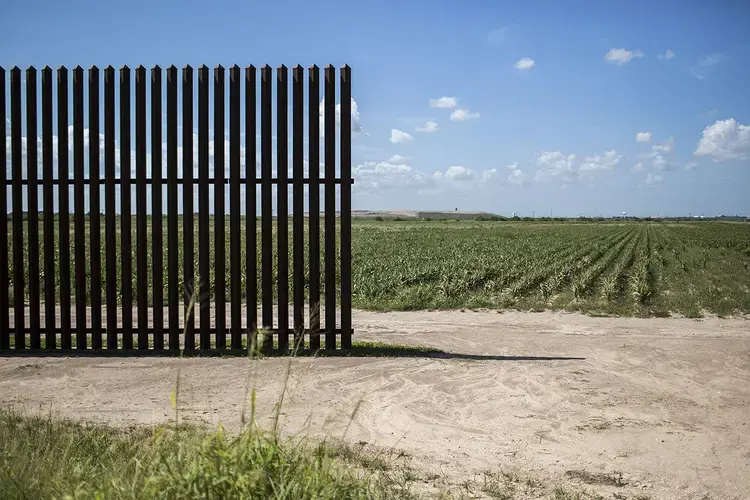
657, 406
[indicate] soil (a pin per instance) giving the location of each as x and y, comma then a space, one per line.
657, 407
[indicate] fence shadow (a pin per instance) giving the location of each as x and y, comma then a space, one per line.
358, 350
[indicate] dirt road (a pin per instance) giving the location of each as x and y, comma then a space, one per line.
565, 398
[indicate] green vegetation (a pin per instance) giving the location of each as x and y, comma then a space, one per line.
49, 458
602, 267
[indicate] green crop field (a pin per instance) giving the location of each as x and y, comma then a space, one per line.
623, 268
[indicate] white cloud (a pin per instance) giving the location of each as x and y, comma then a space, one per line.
607, 161
382, 175
652, 178
725, 140
356, 124
498, 36
621, 56
665, 147
704, 65
643, 137
517, 176
691, 165
400, 137
661, 163
489, 175
556, 165
524, 64
397, 158
667, 55
443, 102
637, 167
512, 166
463, 114
459, 173
428, 127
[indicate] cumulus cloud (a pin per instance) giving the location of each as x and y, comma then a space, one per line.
463, 114
667, 55
356, 124
556, 165
652, 178
490, 175
397, 158
621, 56
643, 137
459, 173
524, 64
400, 137
380, 175
725, 140
428, 127
443, 102
637, 167
606, 161
517, 176
665, 147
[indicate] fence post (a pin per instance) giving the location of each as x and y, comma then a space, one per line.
266, 223
110, 218
80, 213
4, 263
173, 292
203, 218
141, 237
234, 207
32, 166
330, 205
282, 206
17, 173
298, 208
251, 251
49, 215
313, 124
346, 207
94, 224
125, 218
64, 209
157, 303
187, 209
220, 288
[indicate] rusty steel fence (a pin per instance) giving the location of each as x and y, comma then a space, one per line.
153, 278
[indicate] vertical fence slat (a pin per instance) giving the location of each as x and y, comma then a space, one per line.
250, 222
64, 206
173, 291
79, 197
346, 207
50, 339
187, 206
313, 124
19, 312
203, 219
298, 208
282, 205
266, 223
110, 220
125, 202
94, 223
32, 166
141, 237
219, 220
330, 205
156, 211
4, 263
234, 206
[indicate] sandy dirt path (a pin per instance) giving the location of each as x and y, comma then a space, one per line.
664, 401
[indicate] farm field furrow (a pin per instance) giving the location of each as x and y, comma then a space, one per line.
630, 268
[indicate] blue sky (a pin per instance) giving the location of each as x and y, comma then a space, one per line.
508, 106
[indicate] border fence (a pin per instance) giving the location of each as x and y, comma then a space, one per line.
119, 279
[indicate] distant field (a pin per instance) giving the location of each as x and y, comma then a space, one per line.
626, 268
